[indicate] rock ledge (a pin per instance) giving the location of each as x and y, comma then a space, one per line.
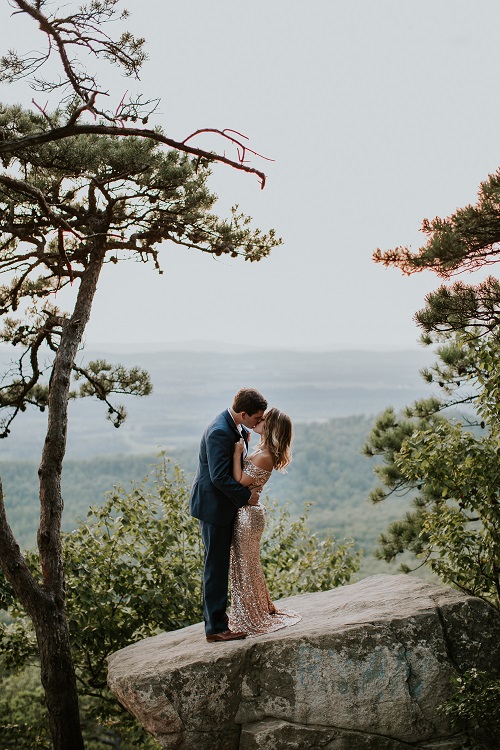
366, 668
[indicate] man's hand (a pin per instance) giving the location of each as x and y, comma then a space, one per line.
255, 497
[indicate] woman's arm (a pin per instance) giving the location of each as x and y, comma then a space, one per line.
238, 452
238, 472
261, 460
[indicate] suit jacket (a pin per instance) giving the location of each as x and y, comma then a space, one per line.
215, 494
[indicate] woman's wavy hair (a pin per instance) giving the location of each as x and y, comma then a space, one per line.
277, 437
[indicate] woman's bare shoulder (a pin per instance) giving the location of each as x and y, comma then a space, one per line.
263, 460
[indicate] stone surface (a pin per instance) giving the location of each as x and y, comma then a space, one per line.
366, 668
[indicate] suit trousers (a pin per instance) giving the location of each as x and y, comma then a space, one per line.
217, 543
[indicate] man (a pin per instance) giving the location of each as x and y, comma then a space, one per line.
215, 499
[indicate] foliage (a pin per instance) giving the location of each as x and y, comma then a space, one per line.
447, 462
475, 707
24, 724
23, 717
467, 240
134, 195
461, 530
451, 468
296, 561
328, 472
450, 465
462, 307
75, 39
133, 569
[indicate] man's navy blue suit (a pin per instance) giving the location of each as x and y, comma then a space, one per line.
215, 499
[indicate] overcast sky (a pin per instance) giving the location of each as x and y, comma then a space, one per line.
378, 113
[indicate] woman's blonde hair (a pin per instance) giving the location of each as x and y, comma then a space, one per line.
277, 436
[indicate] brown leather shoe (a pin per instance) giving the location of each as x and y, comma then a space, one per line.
226, 635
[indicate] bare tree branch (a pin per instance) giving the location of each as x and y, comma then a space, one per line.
15, 146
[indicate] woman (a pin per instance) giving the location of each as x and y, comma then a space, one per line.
252, 610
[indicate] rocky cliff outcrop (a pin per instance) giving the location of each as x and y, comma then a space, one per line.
366, 668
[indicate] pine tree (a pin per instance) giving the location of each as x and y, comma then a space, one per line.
83, 186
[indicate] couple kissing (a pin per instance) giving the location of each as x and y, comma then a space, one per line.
225, 498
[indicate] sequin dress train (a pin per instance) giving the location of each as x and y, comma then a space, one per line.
252, 610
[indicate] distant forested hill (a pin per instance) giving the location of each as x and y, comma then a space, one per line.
328, 395
328, 471
191, 387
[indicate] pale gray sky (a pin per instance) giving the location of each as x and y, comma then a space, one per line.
378, 113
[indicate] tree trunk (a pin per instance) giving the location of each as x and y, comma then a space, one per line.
58, 674
49, 620
45, 601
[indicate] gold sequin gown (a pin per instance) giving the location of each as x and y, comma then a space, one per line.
252, 610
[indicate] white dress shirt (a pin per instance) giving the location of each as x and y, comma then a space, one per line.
238, 427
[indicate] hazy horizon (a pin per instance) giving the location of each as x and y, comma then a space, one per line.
190, 387
226, 347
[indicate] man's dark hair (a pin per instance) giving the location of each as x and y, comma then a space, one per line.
249, 400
